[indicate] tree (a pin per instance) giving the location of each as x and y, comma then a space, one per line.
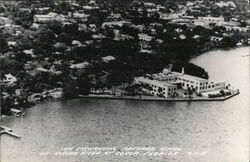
222, 92
9, 66
6, 104
69, 88
65, 38
83, 82
190, 69
3, 45
56, 27
228, 42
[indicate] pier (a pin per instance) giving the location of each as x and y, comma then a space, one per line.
6, 130
151, 98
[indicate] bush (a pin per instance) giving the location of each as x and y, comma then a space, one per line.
222, 92
199, 94
215, 95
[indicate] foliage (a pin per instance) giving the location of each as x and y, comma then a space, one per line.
9, 66
69, 88
190, 69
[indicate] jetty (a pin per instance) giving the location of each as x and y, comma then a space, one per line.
6, 130
152, 98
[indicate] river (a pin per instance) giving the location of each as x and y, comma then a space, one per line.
219, 130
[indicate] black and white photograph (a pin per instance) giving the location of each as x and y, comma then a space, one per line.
124, 80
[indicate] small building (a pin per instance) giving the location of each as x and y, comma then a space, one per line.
9, 79
108, 58
48, 17
35, 98
145, 37
81, 65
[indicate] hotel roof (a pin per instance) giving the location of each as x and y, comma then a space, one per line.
189, 77
155, 82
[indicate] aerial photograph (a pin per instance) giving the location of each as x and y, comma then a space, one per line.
124, 80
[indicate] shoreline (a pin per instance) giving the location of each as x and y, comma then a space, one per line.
150, 98
136, 98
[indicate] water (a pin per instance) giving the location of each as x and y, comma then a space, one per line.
220, 129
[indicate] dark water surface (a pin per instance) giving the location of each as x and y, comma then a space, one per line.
221, 129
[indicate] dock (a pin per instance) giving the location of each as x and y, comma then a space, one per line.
6, 130
147, 98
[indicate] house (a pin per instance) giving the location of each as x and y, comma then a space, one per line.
145, 37
115, 23
9, 79
108, 58
226, 4
12, 43
118, 36
146, 51
81, 65
35, 97
45, 18
54, 93
213, 38
98, 36
29, 52
79, 17
4, 20
77, 43
90, 7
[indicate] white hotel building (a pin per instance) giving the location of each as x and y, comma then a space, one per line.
158, 88
170, 81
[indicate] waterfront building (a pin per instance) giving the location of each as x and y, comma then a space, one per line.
157, 88
188, 82
168, 83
